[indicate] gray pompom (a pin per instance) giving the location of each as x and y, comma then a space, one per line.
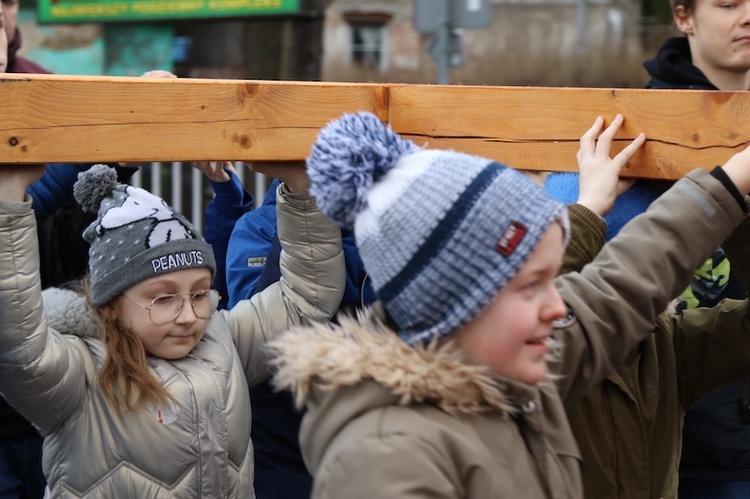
93, 186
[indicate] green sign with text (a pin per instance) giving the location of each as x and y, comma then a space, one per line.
70, 11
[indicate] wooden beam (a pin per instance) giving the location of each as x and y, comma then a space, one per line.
536, 128
54, 118
51, 118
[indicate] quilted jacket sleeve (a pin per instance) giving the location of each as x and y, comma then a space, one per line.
41, 373
311, 285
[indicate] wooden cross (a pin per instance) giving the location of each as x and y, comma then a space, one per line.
63, 119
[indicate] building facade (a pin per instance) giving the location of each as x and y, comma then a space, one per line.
590, 43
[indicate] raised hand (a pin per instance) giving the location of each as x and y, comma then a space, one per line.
292, 173
215, 170
599, 179
14, 179
158, 73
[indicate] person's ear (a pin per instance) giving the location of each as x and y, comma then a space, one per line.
110, 311
683, 19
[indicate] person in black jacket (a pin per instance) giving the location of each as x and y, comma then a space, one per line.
713, 54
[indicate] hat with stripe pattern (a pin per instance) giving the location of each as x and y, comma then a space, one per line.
440, 232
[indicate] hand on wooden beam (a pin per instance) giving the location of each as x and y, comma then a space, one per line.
292, 173
14, 179
217, 171
158, 73
599, 179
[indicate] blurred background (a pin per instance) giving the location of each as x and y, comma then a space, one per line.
584, 43
594, 43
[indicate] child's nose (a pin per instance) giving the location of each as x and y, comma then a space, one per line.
187, 314
556, 308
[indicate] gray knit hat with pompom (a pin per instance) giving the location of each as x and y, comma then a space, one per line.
136, 235
440, 233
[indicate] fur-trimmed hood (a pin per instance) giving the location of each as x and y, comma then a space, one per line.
68, 313
346, 373
331, 356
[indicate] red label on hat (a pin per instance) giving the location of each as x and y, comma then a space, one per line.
511, 239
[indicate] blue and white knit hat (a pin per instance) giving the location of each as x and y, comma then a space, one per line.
136, 235
440, 232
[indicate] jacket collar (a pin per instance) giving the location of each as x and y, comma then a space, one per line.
364, 349
68, 313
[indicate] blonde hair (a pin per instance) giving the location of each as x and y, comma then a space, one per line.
125, 375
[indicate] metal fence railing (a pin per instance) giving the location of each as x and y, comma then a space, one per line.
187, 190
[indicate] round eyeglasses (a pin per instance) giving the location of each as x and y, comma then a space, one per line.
166, 308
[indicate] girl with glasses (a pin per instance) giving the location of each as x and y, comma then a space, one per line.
138, 384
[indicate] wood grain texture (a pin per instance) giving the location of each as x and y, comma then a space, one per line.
538, 128
96, 119
55, 118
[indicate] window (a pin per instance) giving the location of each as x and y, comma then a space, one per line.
367, 43
368, 39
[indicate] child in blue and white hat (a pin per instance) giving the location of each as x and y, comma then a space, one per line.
454, 383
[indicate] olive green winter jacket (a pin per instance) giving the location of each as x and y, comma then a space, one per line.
629, 427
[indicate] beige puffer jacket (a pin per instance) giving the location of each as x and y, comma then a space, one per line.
200, 447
